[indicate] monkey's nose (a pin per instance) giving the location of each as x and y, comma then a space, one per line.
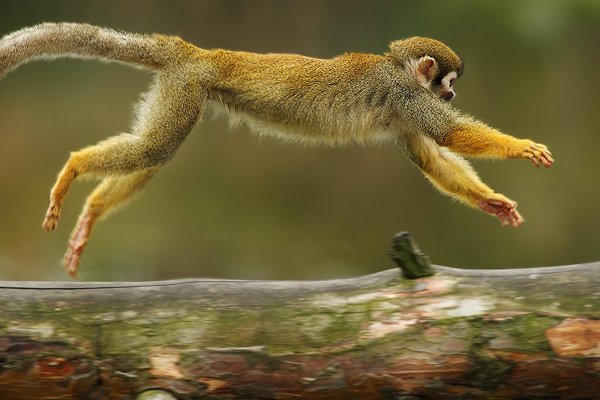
448, 96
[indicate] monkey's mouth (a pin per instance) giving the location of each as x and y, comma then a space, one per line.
447, 96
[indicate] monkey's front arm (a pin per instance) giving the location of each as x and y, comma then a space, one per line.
473, 138
454, 176
438, 133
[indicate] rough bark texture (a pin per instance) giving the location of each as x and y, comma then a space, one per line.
460, 334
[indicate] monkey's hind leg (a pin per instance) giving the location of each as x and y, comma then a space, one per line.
111, 194
115, 156
65, 178
165, 117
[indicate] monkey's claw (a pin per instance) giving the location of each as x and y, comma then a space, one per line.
538, 154
505, 210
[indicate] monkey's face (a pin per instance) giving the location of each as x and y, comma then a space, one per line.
442, 86
429, 75
434, 65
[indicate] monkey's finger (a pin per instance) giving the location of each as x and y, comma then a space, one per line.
509, 219
498, 208
543, 159
512, 217
538, 153
547, 159
516, 218
508, 209
503, 219
534, 160
503, 209
488, 207
501, 203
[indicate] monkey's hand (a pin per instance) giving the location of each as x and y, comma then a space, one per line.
504, 209
537, 153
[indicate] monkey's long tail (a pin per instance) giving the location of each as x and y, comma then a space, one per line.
54, 40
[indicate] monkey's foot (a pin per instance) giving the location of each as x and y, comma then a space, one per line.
77, 243
505, 210
71, 261
538, 154
51, 218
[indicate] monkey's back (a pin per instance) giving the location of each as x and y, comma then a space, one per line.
306, 99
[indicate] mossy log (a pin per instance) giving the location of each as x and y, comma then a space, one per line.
459, 334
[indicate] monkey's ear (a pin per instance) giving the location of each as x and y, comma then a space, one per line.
427, 68
397, 48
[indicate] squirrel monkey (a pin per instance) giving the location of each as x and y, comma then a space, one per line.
399, 97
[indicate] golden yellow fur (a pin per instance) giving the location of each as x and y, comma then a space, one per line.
362, 98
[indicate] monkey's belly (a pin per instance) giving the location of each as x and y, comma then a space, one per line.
304, 131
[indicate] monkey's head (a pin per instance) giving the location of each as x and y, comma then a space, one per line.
433, 64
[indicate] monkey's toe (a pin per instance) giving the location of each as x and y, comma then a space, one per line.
50, 220
71, 261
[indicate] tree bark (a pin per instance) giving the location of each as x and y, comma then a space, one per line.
459, 334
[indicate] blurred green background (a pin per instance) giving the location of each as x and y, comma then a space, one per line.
232, 206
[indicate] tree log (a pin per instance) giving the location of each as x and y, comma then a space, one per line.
459, 334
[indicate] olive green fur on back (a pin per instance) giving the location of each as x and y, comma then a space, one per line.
416, 47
